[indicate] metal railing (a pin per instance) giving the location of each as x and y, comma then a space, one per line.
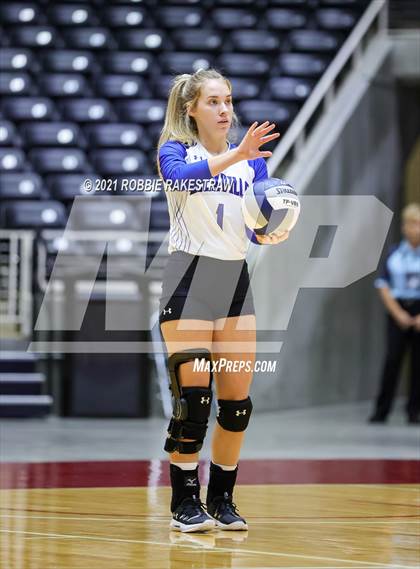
375, 18
15, 281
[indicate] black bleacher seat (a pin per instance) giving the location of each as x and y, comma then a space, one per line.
52, 134
80, 61
21, 185
243, 64
356, 4
31, 214
334, 19
20, 13
144, 40
63, 84
302, 65
159, 216
8, 135
285, 19
126, 16
121, 86
144, 111
185, 62
254, 40
87, 110
179, 17
233, 18
35, 36
16, 84
28, 108
117, 135
49, 160
198, 40
104, 213
291, 3
89, 38
70, 14
290, 88
65, 187
12, 58
128, 62
119, 162
314, 41
245, 88
281, 114
11, 159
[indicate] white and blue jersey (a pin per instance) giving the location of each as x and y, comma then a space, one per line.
401, 272
206, 212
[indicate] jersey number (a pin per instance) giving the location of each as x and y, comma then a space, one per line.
219, 212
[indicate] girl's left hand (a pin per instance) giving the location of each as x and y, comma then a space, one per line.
272, 238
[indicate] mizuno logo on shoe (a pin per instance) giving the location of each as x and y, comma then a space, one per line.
191, 482
240, 412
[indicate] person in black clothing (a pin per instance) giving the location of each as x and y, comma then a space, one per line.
399, 288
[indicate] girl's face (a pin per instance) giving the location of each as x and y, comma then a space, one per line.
213, 111
411, 230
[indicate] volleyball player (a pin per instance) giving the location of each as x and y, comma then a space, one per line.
205, 289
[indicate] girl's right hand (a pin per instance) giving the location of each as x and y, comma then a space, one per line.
256, 136
403, 319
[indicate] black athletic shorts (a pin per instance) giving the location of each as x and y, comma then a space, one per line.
204, 288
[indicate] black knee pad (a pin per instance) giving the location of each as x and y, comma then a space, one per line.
191, 407
234, 415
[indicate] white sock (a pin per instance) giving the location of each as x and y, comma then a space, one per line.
225, 467
186, 465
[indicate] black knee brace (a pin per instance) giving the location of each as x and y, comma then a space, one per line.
234, 415
191, 406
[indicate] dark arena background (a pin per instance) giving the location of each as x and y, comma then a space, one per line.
84, 399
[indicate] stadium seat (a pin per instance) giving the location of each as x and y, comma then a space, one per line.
254, 40
159, 217
144, 40
16, 84
179, 17
89, 38
284, 19
302, 65
198, 40
185, 62
31, 214
8, 135
121, 86
233, 18
128, 62
119, 162
49, 160
52, 134
117, 135
126, 16
70, 14
35, 36
63, 84
333, 19
290, 88
65, 187
144, 111
28, 108
103, 213
245, 88
243, 64
12, 59
11, 159
87, 110
20, 13
256, 110
16, 185
314, 41
62, 61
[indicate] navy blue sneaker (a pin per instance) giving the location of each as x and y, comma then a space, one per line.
191, 516
224, 512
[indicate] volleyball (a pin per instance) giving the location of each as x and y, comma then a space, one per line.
270, 205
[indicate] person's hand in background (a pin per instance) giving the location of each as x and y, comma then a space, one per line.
416, 320
404, 319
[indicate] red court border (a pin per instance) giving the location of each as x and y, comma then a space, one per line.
124, 474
